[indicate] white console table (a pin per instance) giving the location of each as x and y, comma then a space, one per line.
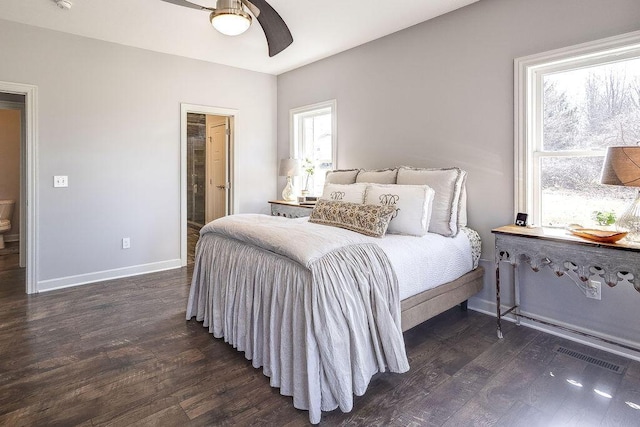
562, 252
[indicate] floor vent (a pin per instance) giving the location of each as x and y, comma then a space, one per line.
590, 359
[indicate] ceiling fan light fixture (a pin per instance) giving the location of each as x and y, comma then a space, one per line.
64, 4
230, 22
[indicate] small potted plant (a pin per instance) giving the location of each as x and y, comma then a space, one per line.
309, 169
604, 219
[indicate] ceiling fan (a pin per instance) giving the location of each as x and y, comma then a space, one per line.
230, 18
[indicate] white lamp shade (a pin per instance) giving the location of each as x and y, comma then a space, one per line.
231, 24
289, 167
622, 166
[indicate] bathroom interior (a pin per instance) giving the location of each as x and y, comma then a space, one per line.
206, 172
11, 131
196, 170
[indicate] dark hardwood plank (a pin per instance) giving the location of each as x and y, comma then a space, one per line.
121, 353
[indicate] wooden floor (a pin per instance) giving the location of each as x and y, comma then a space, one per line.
9, 256
121, 353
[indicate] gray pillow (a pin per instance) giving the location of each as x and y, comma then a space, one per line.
379, 176
341, 176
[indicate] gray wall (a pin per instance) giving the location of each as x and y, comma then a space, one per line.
109, 118
441, 94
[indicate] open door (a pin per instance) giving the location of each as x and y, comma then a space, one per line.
217, 167
215, 182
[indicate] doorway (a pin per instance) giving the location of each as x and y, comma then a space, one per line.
24, 98
207, 170
11, 165
207, 166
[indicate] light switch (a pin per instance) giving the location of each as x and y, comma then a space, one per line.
61, 181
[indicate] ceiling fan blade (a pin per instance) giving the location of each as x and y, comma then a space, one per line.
185, 3
252, 8
275, 30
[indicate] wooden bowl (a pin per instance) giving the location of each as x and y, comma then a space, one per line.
601, 236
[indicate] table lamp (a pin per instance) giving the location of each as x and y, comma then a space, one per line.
622, 167
289, 168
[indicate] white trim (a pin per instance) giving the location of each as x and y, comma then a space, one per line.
216, 111
489, 308
332, 104
309, 111
527, 71
100, 276
31, 174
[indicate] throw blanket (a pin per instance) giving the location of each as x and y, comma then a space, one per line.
317, 307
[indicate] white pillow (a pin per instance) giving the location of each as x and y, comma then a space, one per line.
380, 176
413, 206
341, 176
352, 193
462, 206
448, 184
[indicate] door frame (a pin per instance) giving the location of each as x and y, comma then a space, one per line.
233, 115
29, 179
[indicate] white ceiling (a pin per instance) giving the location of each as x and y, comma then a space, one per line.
320, 28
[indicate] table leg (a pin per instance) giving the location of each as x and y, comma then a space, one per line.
499, 330
516, 293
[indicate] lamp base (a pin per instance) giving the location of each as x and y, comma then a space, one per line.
630, 221
287, 193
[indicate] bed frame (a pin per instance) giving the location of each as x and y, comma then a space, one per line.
427, 304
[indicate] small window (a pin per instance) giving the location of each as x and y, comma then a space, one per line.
313, 142
571, 105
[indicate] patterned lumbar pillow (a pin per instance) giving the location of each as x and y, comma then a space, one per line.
352, 193
370, 220
413, 204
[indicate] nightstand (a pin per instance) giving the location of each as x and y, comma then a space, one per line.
289, 209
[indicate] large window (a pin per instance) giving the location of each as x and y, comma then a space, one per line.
570, 105
313, 142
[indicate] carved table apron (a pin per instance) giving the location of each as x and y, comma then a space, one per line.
563, 254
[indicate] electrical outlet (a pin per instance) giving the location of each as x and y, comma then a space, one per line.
126, 243
594, 290
60, 181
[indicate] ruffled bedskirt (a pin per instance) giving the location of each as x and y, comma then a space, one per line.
319, 333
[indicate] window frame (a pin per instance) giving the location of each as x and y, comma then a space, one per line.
295, 132
528, 109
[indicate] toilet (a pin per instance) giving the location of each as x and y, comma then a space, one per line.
6, 212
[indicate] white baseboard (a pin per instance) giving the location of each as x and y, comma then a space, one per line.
100, 276
489, 308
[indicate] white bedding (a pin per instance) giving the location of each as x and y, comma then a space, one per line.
422, 263
319, 317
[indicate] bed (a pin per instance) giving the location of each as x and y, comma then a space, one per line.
322, 309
